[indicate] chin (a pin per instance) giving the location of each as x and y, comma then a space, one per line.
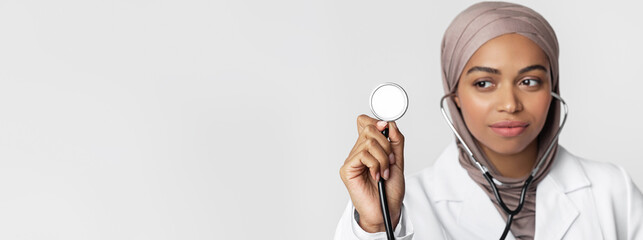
508, 147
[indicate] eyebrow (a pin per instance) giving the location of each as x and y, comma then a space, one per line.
496, 71
533, 67
483, 69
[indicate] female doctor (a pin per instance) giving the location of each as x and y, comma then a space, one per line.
500, 72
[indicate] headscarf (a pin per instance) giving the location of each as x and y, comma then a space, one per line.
472, 28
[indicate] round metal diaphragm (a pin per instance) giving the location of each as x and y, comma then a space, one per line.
389, 102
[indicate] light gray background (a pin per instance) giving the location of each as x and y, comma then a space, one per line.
230, 119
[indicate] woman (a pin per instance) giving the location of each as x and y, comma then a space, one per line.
500, 68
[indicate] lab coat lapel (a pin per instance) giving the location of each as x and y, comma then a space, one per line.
475, 205
555, 211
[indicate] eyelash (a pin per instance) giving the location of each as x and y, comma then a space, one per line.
477, 83
530, 79
522, 82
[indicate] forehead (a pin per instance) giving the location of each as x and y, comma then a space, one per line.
509, 51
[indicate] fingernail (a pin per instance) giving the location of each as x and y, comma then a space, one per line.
391, 158
381, 124
377, 176
386, 172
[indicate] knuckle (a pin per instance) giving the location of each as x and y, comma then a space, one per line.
371, 143
369, 129
362, 154
362, 118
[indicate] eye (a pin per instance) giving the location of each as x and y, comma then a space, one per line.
482, 84
530, 82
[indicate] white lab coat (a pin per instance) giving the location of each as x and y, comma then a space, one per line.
578, 199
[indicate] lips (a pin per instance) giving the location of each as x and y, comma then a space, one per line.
509, 128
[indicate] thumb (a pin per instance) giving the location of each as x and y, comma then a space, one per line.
397, 143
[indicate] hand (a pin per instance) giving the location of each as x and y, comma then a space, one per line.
373, 156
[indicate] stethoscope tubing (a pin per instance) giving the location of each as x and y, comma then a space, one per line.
487, 175
386, 214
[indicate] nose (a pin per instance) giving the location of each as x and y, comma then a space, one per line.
508, 100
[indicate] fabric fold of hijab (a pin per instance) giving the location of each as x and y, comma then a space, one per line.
472, 28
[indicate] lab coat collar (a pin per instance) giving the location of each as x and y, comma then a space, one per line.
555, 212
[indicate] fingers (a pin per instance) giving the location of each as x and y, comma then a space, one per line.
364, 120
397, 144
374, 148
374, 164
381, 125
375, 151
371, 132
357, 164
371, 162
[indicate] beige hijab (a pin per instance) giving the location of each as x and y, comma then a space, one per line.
469, 30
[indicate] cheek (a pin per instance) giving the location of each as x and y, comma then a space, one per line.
475, 112
539, 109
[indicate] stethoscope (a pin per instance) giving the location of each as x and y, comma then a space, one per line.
389, 102
487, 175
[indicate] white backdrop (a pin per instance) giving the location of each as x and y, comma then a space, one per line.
140, 119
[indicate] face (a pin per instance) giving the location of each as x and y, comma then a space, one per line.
504, 93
